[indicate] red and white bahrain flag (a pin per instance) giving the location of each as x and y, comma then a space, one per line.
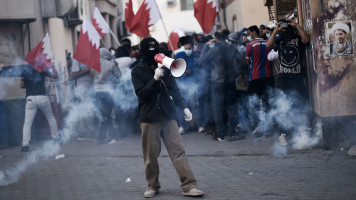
174, 38
87, 51
205, 12
99, 23
41, 57
129, 14
147, 15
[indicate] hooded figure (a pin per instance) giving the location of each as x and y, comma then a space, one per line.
149, 48
159, 96
109, 74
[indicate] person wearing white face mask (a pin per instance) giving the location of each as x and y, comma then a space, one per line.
185, 83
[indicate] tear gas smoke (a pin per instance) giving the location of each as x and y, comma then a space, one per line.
188, 89
12, 175
124, 97
286, 113
124, 93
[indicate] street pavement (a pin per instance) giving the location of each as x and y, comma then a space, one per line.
246, 169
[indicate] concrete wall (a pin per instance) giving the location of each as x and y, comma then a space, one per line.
18, 9
334, 75
247, 13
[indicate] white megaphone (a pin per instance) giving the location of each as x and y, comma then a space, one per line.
176, 66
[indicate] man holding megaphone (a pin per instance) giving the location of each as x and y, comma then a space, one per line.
158, 96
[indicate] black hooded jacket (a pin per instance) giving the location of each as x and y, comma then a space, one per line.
157, 99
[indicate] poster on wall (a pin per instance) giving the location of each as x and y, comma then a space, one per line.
339, 34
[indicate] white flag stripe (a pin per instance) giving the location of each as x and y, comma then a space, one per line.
155, 14
215, 4
179, 32
101, 21
47, 50
94, 36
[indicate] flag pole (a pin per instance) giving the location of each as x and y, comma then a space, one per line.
102, 41
115, 37
169, 41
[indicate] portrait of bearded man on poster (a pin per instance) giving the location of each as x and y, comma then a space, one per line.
340, 37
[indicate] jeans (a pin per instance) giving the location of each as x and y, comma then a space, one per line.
32, 104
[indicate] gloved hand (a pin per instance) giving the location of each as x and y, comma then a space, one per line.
159, 72
187, 115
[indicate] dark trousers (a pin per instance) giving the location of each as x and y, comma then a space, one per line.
105, 106
224, 101
260, 88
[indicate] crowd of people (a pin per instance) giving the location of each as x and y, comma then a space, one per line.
223, 71
212, 97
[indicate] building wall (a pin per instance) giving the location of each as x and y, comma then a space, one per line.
334, 76
15, 42
247, 13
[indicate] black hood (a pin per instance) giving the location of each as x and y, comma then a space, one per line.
148, 53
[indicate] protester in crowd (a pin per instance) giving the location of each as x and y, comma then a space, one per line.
214, 53
200, 42
187, 85
158, 95
341, 46
34, 83
263, 31
83, 86
292, 73
260, 73
242, 81
182, 40
124, 43
243, 38
135, 53
103, 87
124, 57
234, 66
273, 56
163, 48
204, 90
125, 117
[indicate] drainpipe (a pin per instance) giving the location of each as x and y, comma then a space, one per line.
223, 5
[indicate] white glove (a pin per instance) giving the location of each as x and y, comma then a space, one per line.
159, 72
187, 115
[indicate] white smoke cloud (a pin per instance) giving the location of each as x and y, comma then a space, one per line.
124, 97
289, 114
12, 175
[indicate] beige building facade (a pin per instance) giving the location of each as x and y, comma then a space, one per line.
243, 14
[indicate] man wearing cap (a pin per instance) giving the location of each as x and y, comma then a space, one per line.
341, 46
158, 95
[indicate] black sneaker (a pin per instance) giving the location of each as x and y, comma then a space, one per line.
25, 149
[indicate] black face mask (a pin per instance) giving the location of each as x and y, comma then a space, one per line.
148, 56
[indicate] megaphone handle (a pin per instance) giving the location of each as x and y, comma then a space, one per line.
160, 65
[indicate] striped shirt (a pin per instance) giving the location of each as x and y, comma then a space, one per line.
260, 67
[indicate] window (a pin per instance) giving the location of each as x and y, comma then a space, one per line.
186, 4
171, 3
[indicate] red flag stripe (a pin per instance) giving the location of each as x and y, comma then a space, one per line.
205, 13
